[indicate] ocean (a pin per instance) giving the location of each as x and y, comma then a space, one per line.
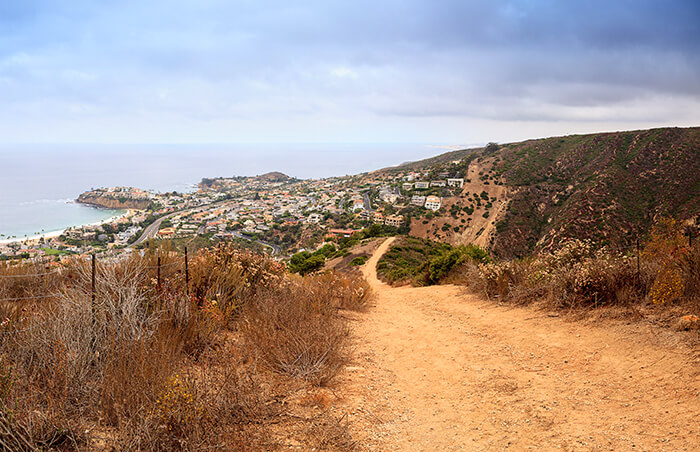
38, 183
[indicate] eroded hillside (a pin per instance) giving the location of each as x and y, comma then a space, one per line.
470, 217
606, 187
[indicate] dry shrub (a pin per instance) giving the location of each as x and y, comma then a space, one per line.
227, 277
295, 331
343, 290
331, 433
580, 275
689, 265
14, 436
676, 262
135, 372
75, 361
573, 276
213, 405
80, 361
69, 365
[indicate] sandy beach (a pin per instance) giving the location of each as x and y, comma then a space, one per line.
33, 239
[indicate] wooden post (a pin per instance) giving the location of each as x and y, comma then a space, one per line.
44, 270
92, 290
187, 276
158, 278
638, 268
93, 283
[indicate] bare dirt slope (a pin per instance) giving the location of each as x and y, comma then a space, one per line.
437, 369
481, 229
467, 228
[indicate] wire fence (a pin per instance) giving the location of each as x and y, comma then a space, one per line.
634, 250
93, 273
28, 275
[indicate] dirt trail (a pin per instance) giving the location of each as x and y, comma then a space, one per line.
437, 369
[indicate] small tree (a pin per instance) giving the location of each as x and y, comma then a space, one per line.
491, 148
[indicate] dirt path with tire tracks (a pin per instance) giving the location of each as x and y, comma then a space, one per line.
440, 370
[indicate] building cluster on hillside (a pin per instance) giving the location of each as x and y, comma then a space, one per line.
255, 207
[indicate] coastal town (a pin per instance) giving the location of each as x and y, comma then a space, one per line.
279, 213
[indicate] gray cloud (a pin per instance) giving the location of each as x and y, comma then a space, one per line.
293, 66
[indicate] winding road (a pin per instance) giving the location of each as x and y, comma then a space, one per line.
152, 229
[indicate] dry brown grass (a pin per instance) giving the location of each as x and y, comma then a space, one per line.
294, 330
146, 367
346, 290
579, 276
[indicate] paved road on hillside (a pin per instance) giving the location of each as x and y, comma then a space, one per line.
368, 204
275, 249
152, 229
438, 369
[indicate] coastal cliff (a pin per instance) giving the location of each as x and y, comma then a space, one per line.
113, 200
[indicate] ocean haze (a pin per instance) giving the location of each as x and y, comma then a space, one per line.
39, 182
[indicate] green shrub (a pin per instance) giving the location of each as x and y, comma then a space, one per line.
359, 260
304, 262
440, 267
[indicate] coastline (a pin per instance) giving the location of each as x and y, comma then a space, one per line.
33, 239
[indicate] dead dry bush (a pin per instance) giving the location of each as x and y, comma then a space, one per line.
331, 433
579, 275
343, 290
148, 368
227, 277
294, 330
574, 277
74, 362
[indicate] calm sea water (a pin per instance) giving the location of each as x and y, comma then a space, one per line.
38, 183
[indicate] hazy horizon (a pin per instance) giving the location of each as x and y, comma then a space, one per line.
39, 182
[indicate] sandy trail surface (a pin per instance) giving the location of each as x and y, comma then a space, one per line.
438, 369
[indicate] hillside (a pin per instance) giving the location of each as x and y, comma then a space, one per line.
605, 187
526, 196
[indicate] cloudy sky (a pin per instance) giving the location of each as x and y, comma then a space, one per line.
441, 72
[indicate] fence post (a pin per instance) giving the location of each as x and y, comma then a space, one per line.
92, 290
187, 276
158, 277
44, 270
638, 269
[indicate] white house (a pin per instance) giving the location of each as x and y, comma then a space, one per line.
394, 220
455, 182
418, 200
422, 185
437, 183
358, 204
315, 218
391, 198
433, 202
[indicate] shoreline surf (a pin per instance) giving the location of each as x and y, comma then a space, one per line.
58, 232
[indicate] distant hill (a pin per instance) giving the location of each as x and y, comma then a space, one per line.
219, 182
274, 176
607, 187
